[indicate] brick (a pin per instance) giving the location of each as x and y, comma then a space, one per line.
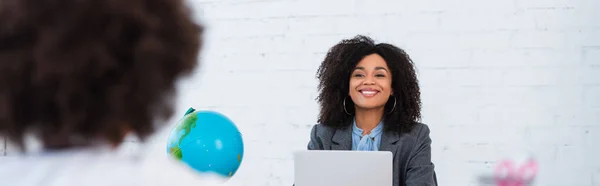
316, 59
247, 122
268, 61
242, 46
301, 119
441, 58
484, 15
578, 116
480, 6
250, 27
437, 114
368, 8
459, 177
451, 41
492, 135
533, 97
429, 40
270, 9
583, 38
486, 20
568, 137
471, 97
530, 115
539, 39
372, 25
240, 10
544, 76
278, 150
589, 76
534, 57
564, 18
432, 78
591, 56
556, 177
544, 4
596, 177
321, 43
431, 115
591, 97
256, 96
279, 173
545, 155
592, 138
193, 97
411, 22
312, 25
468, 117
425, 6
497, 39
574, 157
334, 7
475, 77
547, 96
571, 116
498, 58
286, 79
591, 116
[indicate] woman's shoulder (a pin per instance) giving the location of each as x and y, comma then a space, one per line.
329, 128
323, 127
421, 128
420, 132
322, 130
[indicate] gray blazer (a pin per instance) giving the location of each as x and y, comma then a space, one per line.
411, 151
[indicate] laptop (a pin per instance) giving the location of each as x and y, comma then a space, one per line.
343, 168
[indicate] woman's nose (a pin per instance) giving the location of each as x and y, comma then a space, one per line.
368, 81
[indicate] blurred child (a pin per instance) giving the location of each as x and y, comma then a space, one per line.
79, 76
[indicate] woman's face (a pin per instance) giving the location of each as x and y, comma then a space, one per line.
370, 83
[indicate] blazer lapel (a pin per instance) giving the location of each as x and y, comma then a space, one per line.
388, 141
342, 139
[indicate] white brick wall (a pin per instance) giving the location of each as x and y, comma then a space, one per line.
499, 78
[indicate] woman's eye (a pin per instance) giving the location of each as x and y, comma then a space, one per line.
357, 75
379, 75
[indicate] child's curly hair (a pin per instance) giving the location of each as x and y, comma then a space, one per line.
91, 69
334, 78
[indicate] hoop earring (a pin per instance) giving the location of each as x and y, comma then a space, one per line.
392, 107
344, 103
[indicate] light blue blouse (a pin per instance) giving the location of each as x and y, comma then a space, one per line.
368, 142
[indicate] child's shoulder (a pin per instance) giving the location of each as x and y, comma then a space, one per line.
95, 168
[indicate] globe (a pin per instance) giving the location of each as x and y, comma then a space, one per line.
208, 142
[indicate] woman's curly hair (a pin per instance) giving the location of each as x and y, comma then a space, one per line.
334, 78
90, 70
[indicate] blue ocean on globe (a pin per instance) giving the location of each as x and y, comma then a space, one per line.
208, 142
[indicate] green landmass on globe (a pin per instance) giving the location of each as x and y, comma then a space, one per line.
186, 125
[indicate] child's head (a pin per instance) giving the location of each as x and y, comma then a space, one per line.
84, 70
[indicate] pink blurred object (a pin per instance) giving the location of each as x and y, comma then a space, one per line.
508, 174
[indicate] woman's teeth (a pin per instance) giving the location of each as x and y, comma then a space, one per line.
368, 92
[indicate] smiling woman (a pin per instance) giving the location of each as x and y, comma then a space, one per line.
370, 101
370, 84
